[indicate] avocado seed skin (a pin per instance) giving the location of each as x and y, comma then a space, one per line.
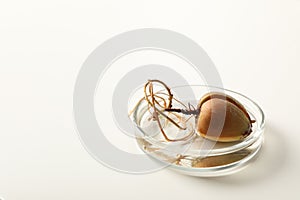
222, 113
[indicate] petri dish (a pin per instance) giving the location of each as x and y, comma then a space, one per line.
195, 155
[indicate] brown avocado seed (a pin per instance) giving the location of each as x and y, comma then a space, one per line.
222, 118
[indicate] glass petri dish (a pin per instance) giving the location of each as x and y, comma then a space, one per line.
195, 155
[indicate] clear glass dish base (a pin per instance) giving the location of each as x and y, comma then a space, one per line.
210, 166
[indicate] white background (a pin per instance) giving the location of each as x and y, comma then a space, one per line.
254, 44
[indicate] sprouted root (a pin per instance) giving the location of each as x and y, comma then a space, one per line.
160, 105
